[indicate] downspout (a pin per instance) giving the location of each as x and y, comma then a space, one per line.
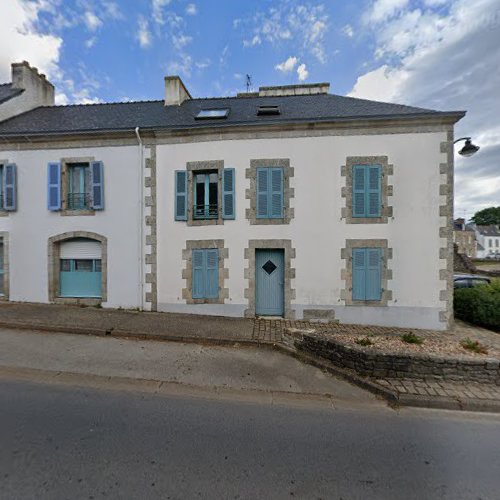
141, 219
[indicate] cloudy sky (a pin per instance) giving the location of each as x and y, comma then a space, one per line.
441, 54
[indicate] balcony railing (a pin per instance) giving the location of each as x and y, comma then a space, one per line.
78, 201
206, 212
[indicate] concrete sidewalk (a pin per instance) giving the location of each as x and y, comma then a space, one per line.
121, 323
247, 370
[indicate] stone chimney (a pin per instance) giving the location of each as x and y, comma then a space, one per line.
36, 84
30, 90
303, 89
175, 91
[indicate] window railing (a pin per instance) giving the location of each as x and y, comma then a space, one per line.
206, 212
78, 201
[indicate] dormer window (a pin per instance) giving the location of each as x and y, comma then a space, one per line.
268, 110
211, 114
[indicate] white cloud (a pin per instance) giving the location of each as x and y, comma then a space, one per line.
447, 59
203, 64
302, 72
20, 40
382, 10
288, 65
179, 41
113, 11
157, 8
304, 24
90, 42
348, 30
143, 34
183, 66
91, 21
191, 9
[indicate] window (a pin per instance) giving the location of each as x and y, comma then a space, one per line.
497, 241
8, 186
83, 189
366, 274
268, 110
79, 192
269, 193
205, 273
204, 193
366, 192
490, 242
80, 278
2, 292
210, 114
206, 197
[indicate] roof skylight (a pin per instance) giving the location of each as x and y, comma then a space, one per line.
268, 110
210, 114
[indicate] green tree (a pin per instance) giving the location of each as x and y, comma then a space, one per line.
487, 216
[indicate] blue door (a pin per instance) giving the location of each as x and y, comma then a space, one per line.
269, 282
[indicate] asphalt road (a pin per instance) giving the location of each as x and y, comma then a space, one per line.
61, 442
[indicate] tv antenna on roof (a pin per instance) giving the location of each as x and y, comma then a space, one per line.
249, 83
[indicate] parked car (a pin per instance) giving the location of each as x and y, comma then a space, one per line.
469, 280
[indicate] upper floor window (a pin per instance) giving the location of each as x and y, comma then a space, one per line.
206, 196
8, 187
366, 191
75, 186
1, 268
78, 193
205, 193
269, 193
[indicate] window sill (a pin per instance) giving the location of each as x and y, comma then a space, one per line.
77, 212
205, 301
4, 213
368, 303
205, 222
269, 222
367, 220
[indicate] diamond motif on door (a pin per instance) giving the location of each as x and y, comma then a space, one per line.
269, 267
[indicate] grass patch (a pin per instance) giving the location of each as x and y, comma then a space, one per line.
474, 346
411, 338
364, 341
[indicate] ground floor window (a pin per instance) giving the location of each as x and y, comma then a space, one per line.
205, 273
367, 274
2, 288
80, 278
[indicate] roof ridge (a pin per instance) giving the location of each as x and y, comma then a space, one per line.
99, 104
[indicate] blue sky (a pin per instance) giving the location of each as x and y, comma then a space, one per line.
441, 54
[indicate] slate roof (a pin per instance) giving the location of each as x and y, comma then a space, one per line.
243, 111
7, 92
491, 230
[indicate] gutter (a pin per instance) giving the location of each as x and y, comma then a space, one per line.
141, 219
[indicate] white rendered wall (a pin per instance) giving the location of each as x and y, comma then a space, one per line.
317, 232
32, 224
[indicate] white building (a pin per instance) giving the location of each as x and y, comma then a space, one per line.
488, 238
287, 202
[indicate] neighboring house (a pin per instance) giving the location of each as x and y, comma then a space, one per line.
465, 238
287, 202
488, 238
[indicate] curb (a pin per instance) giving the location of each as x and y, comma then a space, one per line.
119, 333
394, 398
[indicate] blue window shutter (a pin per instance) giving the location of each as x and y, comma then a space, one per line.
212, 274
228, 195
373, 274
180, 195
97, 183
373, 201
54, 186
10, 187
276, 184
262, 193
358, 191
358, 274
198, 263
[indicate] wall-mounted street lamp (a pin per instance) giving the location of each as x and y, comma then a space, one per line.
469, 149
